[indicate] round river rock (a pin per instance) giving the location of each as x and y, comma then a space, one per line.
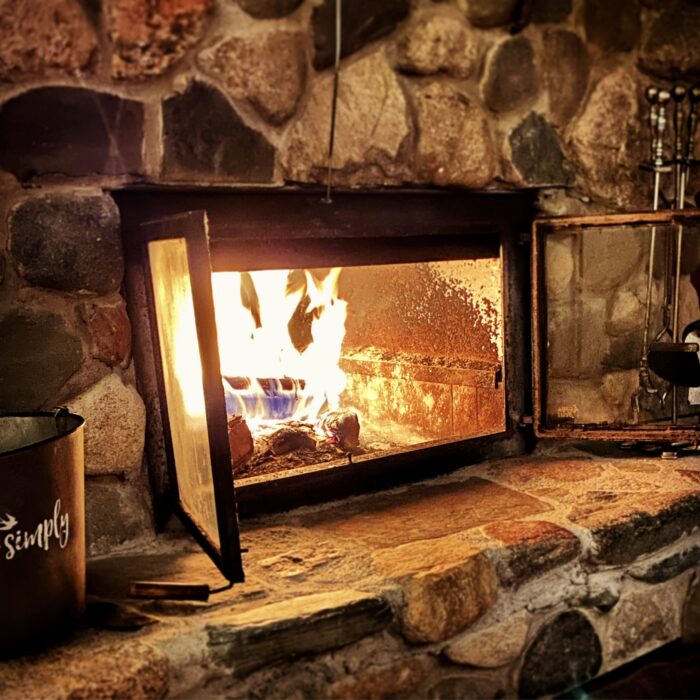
566, 652
70, 243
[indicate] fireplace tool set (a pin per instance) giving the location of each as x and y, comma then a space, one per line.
673, 354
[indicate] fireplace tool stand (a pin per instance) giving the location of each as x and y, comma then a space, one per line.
672, 355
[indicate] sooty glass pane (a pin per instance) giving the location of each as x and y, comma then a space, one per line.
596, 292
182, 375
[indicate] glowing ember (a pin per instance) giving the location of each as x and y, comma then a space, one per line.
266, 375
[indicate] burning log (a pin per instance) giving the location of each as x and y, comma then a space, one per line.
342, 428
240, 441
290, 439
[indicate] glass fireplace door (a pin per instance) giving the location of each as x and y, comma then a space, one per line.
180, 275
615, 319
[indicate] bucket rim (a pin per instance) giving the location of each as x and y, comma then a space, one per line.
80, 422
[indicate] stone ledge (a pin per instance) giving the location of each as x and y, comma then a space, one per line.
532, 547
446, 584
285, 630
343, 593
667, 568
646, 529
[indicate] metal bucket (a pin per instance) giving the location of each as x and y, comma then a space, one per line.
42, 528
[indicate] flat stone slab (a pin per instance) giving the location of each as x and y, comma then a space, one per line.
532, 547
446, 584
285, 630
630, 506
426, 511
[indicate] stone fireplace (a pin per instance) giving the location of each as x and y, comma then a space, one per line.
367, 341
458, 123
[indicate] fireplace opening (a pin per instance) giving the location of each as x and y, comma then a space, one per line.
323, 366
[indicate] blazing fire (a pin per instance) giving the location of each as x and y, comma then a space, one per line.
268, 373
284, 353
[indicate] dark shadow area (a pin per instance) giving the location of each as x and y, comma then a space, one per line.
673, 671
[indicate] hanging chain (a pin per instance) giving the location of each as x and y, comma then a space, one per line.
336, 74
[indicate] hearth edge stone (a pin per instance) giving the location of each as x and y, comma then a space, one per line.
442, 597
624, 541
319, 622
667, 568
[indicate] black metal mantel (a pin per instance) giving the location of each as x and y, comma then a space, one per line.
294, 212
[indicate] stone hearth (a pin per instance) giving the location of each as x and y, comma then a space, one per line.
516, 578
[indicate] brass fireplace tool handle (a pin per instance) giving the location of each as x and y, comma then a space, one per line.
694, 97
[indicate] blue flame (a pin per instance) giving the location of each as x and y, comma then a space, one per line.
265, 399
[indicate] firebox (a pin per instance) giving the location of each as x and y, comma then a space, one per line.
292, 349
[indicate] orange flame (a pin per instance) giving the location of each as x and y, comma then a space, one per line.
253, 313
